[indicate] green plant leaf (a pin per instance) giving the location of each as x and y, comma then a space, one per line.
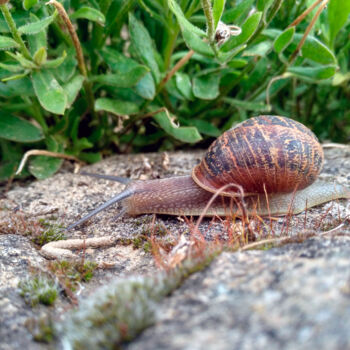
148, 139
247, 105
10, 151
206, 87
263, 5
284, 39
143, 45
7, 43
52, 144
65, 71
90, 157
38, 40
241, 9
191, 33
28, 4
314, 50
195, 43
118, 62
42, 167
16, 76
183, 83
14, 68
80, 144
23, 87
16, 129
248, 29
218, 9
123, 80
23, 61
8, 169
173, 90
49, 92
89, 13
237, 63
185, 24
117, 107
340, 78
205, 127
72, 88
55, 63
11, 156
188, 134
40, 56
36, 27
260, 49
117, 14
146, 87
338, 13
313, 73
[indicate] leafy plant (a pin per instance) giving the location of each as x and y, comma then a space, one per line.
41, 328
72, 273
83, 79
50, 233
39, 289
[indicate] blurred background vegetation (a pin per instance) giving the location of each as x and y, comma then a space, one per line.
151, 75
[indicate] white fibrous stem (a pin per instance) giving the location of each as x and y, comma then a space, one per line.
62, 249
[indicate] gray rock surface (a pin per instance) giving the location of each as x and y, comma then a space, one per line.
295, 291
292, 297
16, 259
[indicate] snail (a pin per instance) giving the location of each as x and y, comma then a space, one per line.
273, 160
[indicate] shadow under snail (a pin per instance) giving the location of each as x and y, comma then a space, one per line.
274, 160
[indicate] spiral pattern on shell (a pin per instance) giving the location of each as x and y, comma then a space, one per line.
271, 153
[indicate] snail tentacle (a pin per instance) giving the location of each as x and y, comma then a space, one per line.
120, 179
125, 194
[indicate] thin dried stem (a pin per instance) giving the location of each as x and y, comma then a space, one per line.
289, 214
335, 230
268, 207
304, 235
177, 66
39, 152
304, 14
336, 145
62, 249
307, 31
63, 14
263, 242
80, 56
151, 114
324, 216
215, 195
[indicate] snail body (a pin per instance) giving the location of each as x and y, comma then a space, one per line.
182, 196
271, 161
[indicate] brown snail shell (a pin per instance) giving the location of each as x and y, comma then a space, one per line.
266, 153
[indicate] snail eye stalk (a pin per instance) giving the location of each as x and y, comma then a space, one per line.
122, 180
117, 198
